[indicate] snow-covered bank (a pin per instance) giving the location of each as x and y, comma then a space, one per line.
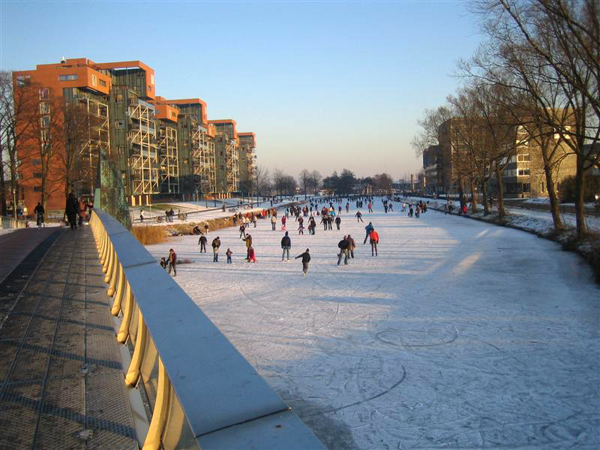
460, 334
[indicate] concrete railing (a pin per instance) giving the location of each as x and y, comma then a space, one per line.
202, 391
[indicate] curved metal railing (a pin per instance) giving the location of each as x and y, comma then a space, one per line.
202, 391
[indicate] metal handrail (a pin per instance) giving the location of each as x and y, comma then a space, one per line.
204, 394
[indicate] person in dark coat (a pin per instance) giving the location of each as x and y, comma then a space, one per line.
286, 245
39, 212
344, 246
216, 243
202, 241
305, 260
172, 262
71, 210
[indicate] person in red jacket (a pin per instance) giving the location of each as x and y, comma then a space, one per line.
374, 239
173, 262
251, 255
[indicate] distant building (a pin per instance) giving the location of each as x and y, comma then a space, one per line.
160, 147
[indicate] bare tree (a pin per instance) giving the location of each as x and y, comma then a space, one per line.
43, 142
559, 43
73, 168
262, 180
16, 105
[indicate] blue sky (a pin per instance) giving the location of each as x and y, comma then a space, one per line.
324, 85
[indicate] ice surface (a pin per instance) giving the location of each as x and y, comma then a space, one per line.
460, 334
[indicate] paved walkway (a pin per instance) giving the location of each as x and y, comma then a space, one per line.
61, 378
17, 245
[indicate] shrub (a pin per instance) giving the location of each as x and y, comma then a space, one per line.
150, 235
591, 187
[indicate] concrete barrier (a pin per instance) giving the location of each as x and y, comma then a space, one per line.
202, 391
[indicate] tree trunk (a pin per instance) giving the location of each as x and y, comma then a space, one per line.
473, 195
579, 198
558, 225
486, 202
2, 189
461, 194
501, 212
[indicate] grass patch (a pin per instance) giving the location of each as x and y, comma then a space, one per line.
150, 235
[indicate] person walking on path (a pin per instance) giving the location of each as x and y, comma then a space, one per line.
368, 230
338, 221
172, 262
39, 212
251, 255
229, 253
305, 260
273, 222
343, 246
206, 229
286, 245
142, 216
71, 210
374, 239
202, 241
352, 246
216, 243
248, 241
359, 217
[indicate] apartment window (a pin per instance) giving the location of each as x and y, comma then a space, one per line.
542, 186
44, 108
23, 80
44, 93
102, 83
45, 121
523, 157
526, 187
67, 77
173, 114
523, 172
37, 189
44, 137
94, 80
37, 175
36, 162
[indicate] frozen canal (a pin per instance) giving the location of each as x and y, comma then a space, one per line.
458, 335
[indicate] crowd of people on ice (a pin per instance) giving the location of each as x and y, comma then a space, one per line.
328, 211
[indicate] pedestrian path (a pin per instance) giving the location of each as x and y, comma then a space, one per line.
61, 377
15, 246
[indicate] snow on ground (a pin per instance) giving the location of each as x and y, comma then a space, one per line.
460, 334
198, 212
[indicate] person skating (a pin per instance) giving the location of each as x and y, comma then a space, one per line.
242, 231
283, 222
305, 260
273, 222
286, 245
172, 262
216, 243
248, 241
229, 253
374, 239
359, 217
368, 230
251, 255
338, 221
71, 210
39, 212
352, 246
202, 241
343, 245
370, 206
